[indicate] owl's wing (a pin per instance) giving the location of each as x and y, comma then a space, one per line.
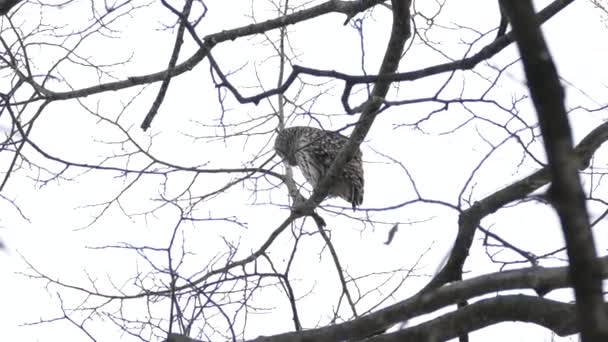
326, 147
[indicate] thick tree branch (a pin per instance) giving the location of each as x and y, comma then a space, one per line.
400, 33
470, 218
556, 316
566, 191
528, 278
6, 5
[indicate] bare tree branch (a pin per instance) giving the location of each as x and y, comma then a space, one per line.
566, 192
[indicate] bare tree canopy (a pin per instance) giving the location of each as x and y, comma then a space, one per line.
189, 171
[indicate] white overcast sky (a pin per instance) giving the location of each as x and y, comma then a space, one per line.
51, 241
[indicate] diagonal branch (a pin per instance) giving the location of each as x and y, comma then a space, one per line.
349, 8
470, 218
566, 192
400, 33
179, 40
351, 80
556, 316
6, 5
423, 303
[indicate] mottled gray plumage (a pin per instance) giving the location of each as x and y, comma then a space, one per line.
313, 150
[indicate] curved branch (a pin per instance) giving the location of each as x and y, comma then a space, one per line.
400, 33
536, 278
351, 80
6, 5
349, 8
469, 219
553, 315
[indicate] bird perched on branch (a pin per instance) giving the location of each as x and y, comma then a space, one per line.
313, 150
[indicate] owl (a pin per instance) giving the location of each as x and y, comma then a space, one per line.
313, 150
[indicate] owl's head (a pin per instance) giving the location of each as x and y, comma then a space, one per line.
285, 145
